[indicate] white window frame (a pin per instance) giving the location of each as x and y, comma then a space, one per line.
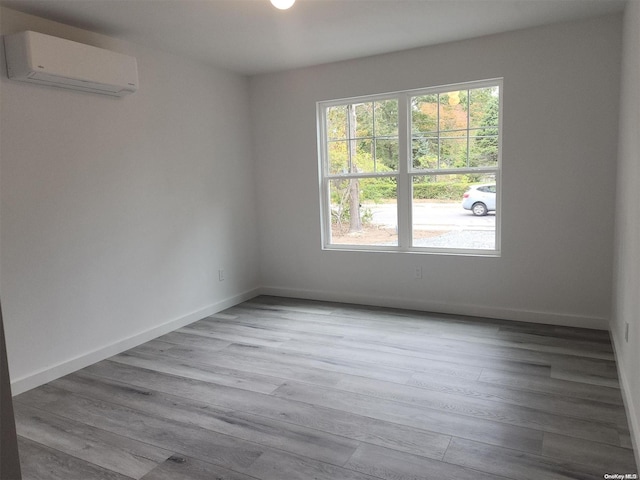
405, 172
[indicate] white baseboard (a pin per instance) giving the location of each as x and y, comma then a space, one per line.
632, 414
560, 319
43, 376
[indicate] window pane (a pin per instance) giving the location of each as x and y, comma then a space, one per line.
424, 113
363, 120
386, 155
441, 124
337, 122
364, 211
338, 154
440, 220
454, 134
424, 151
453, 110
483, 107
453, 153
386, 118
483, 148
363, 158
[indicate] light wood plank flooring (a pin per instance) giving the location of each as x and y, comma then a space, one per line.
279, 389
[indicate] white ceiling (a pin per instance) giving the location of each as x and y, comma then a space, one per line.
250, 36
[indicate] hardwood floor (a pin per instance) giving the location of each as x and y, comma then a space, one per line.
279, 389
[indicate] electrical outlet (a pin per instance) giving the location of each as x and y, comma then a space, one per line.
221, 275
417, 273
626, 331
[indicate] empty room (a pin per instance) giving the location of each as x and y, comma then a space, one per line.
319, 239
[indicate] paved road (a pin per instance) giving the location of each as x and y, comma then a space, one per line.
459, 227
434, 216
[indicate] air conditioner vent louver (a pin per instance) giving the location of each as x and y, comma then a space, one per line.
37, 58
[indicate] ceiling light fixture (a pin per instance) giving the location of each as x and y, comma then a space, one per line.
282, 4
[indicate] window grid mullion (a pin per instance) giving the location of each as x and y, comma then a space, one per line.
403, 195
373, 137
438, 129
349, 139
468, 126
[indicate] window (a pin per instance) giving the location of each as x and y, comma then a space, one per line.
415, 171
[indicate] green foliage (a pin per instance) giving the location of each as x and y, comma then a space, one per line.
381, 189
378, 189
483, 150
439, 190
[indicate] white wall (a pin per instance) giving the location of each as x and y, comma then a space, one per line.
626, 307
561, 89
116, 214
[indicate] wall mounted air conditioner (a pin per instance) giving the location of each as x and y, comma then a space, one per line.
46, 60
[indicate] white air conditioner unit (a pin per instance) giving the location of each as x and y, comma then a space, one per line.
46, 60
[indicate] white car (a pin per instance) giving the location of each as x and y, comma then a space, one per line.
480, 199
